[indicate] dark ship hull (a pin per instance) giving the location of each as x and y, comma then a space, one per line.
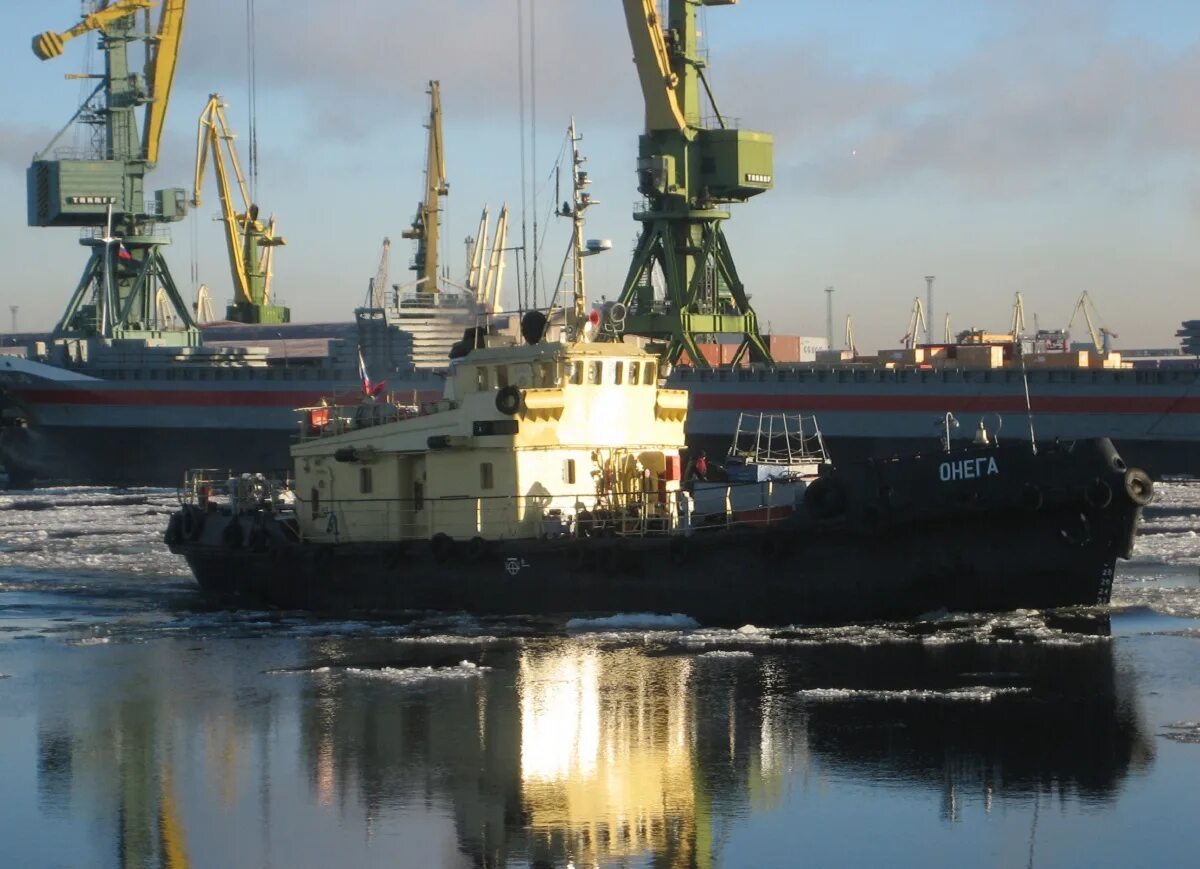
888, 540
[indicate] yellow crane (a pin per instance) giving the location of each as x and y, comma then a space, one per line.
160, 65
1018, 318
916, 325
1101, 337
251, 243
379, 284
425, 225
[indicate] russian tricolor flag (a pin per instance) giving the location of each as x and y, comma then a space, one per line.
123, 251
367, 387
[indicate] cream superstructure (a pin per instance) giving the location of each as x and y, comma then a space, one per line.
591, 437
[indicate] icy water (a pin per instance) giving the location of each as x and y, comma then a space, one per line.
139, 726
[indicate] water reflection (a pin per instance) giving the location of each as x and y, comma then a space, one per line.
593, 750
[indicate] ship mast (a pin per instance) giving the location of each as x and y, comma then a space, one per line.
581, 200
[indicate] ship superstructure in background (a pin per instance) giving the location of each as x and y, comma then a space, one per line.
1040, 387
430, 308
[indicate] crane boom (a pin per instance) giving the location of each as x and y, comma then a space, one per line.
160, 74
494, 282
916, 324
425, 225
247, 239
50, 44
1018, 317
1082, 304
479, 247
659, 81
380, 281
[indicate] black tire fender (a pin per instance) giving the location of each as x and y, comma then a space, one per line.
442, 546
1139, 487
477, 548
508, 400
825, 498
191, 523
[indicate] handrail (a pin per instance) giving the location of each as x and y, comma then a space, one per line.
643, 514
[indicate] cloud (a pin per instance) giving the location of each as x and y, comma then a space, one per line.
18, 144
1054, 97
354, 68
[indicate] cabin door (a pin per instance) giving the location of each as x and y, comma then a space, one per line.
412, 499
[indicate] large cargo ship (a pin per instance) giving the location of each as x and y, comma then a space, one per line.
128, 383
1152, 415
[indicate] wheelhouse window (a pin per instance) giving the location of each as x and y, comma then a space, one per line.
648, 375
364, 480
595, 371
543, 375
316, 503
486, 477
634, 371
501, 376
575, 372
618, 373
569, 471
481, 379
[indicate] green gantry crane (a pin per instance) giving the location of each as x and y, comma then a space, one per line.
126, 290
688, 170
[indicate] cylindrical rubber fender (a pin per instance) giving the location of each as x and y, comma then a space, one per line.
1098, 494
192, 523
825, 498
442, 546
508, 400
232, 535
1031, 497
1139, 487
174, 531
477, 548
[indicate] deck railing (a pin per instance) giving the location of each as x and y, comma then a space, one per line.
725, 505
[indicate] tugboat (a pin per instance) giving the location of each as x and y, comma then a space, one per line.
549, 482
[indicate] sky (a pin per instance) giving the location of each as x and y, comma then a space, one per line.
1041, 146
